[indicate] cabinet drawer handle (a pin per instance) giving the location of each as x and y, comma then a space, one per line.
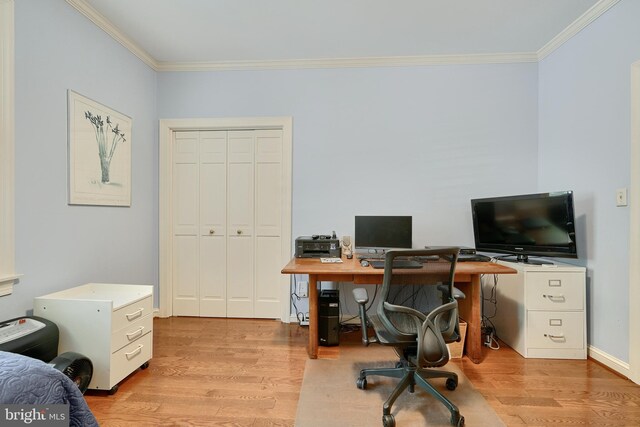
556, 337
135, 334
555, 298
134, 353
212, 231
135, 314
239, 231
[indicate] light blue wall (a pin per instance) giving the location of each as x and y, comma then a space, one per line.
418, 141
429, 139
585, 146
60, 246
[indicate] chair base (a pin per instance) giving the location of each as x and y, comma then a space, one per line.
410, 376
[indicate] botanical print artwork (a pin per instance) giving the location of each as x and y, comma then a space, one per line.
99, 154
106, 142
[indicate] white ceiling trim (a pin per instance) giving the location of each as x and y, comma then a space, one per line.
576, 26
106, 25
396, 61
402, 61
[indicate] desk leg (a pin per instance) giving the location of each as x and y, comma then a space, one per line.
312, 350
470, 310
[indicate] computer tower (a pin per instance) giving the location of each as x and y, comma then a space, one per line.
329, 318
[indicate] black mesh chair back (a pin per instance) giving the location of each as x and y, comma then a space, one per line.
417, 325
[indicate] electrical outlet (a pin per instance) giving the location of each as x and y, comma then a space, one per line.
621, 197
303, 289
305, 321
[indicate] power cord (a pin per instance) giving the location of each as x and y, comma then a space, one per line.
299, 315
488, 328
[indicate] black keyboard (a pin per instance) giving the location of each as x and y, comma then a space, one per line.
474, 258
398, 263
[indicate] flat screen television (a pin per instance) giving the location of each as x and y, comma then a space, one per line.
379, 233
526, 225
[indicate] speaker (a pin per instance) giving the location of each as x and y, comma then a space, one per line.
329, 318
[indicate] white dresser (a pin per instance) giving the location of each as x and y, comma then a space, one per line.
541, 310
111, 324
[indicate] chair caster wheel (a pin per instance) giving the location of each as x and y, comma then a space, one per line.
388, 421
459, 422
451, 384
361, 383
399, 364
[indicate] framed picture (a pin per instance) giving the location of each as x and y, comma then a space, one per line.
99, 154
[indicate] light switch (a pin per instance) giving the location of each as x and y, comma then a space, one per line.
621, 197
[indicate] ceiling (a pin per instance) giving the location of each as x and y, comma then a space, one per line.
184, 33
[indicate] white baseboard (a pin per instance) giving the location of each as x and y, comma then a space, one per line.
609, 361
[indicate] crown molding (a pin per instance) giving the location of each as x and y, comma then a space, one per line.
108, 27
575, 27
396, 61
402, 61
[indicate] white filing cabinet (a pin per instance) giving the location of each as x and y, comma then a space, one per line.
111, 324
540, 310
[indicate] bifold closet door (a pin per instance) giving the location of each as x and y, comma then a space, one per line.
240, 219
199, 245
212, 272
268, 220
227, 230
185, 224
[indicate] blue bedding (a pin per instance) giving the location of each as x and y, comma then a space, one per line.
24, 380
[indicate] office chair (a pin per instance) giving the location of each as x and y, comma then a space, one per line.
418, 338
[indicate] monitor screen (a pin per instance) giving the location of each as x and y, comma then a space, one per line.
533, 224
383, 232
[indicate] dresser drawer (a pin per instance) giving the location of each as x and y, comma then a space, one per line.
131, 332
555, 291
550, 329
128, 314
129, 358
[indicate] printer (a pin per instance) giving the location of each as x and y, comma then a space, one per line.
317, 246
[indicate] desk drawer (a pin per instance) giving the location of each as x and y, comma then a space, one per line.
131, 357
131, 332
552, 329
555, 291
129, 314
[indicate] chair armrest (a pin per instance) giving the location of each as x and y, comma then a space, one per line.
361, 295
457, 293
362, 298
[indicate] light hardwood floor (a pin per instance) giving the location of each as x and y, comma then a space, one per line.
241, 372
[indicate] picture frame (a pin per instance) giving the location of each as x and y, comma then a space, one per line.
99, 145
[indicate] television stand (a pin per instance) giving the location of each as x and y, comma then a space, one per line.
524, 259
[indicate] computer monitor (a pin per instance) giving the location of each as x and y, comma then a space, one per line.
379, 233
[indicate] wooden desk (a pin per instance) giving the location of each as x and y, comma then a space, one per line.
467, 280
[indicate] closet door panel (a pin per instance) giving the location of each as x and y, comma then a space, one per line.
268, 146
268, 199
213, 199
185, 276
185, 224
185, 183
240, 199
213, 183
268, 280
240, 276
213, 276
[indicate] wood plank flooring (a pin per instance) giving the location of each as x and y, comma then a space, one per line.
241, 372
